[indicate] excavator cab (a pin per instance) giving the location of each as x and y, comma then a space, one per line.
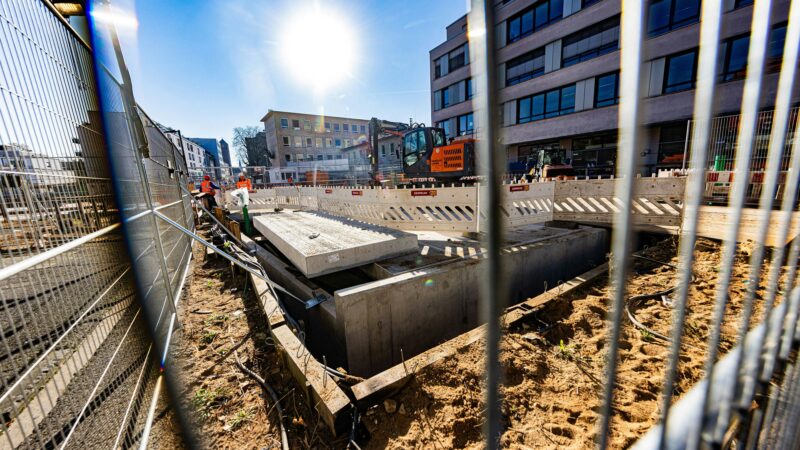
428, 157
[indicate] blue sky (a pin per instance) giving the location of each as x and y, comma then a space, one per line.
207, 67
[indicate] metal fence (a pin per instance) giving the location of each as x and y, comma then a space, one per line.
77, 363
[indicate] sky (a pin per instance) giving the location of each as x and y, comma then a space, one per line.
207, 67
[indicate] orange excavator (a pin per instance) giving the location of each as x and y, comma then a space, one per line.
427, 156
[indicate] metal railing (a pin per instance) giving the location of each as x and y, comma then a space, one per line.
77, 366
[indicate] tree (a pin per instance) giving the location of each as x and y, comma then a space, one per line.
240, 135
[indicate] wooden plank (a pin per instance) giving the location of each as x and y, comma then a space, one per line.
713, 223
396, 376
329, 400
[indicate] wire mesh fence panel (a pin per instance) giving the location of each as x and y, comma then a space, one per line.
74, 337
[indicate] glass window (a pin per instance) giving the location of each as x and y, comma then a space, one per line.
680, 71
328, 127
742, 3
525, 67
567, 100
286, 141
318, 142
287, 157
336, 127
445, 126
363, 128
338, 143
308, 142
606, 90
595, 155
667, 15
329, 157
383, 149
329, 142
307, 125
468, 88
437, 67
465, 124
735, 64
533, 19
410, 149
537, 107
296, 124
354, 128
347, 142
284, 123
777, 37
553, 103
524, 110
445, 97
590, 42
346, 127
298, 141
457, 58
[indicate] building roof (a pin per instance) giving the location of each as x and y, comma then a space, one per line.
271, 112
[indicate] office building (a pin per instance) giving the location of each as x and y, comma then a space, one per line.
226, 151
296, 139
558, 70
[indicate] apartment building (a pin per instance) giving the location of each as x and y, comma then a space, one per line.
297, 139
558, 69
194, 153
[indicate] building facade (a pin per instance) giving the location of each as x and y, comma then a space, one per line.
558, 70
296, 139
226, 152
194, 153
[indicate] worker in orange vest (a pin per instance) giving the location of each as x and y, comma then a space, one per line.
209, 188
244, 183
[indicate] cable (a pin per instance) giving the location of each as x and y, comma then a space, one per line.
272, 394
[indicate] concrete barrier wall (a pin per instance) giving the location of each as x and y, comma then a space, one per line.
417, 310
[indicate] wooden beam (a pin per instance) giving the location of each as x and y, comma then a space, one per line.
713, 223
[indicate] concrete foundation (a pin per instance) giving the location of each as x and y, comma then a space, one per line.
427, 298
318, 243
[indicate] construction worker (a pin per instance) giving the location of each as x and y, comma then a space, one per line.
244, 182
209, 188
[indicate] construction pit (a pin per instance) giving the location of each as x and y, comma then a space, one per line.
393, 295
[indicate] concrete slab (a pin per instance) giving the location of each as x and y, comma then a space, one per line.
319, 243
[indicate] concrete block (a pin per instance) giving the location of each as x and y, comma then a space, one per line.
318, 243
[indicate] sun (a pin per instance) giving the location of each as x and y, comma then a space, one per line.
318, 47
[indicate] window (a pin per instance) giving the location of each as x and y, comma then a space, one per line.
735, 64
286, 141
671, 143
414, 147
354, 128
667, 15
742, 3
348, 143
393, 151
777, 37
458, 58
338, 143
437, 67
318, 142
308, 142
284, 123
383, 149
363, 129
346, 127
553, 103
586, 3
445, 126
329, 157
298, 141
524, 67
288, 157
606, 91
595, 155
299, 157
307, 125
465, 124
445, 97
328, 127
336, 127
680, 71
296, 124
590, 42
533, 19
329, 143
468, 88
319, 157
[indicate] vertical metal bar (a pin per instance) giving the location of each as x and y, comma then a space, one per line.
491, 154
631, 87
703, 111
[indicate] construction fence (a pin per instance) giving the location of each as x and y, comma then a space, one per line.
89, 277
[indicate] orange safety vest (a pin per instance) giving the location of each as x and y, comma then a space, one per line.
244, 184
205, 186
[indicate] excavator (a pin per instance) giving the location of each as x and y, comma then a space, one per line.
427, 155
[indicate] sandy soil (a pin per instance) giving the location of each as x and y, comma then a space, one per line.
552, 376
221, 314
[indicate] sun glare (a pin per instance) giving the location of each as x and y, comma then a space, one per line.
318, 47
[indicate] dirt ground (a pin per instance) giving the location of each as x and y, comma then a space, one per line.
553, 366
220, 313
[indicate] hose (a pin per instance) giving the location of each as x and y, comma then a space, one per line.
636, 300
272, 394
